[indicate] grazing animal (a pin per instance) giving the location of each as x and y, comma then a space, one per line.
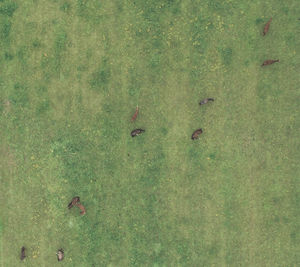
204, 101
136, 132
73, 202
81, 207
23, 256
135, 114
269, 62
267, 26
196, 134
60, 254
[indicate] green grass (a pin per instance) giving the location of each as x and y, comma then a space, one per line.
72, 75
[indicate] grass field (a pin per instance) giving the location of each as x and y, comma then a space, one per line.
71, 76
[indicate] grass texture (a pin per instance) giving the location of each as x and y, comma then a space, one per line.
72, 74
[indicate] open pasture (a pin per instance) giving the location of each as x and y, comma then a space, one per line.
71, 76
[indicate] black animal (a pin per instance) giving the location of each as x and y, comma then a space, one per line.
204, 101
196, 134
60, 254
136, 132
74, 201
23, 256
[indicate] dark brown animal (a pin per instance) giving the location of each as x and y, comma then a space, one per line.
205, 101
81, 207
136, 132
196, 134
60, 254
135, 114
73, 202
269, 62
267, 26
23, 256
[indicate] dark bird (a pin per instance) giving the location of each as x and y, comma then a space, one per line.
204, 101
267, 26
269, 62
136, 132
196, 134
23, 256
73, 202
60, 254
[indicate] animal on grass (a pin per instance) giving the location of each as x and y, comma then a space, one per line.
23, 256
196, 134
269, 62
136, 132
73, 202
133, 118
267, 27
81, 207
205, 101
60, 254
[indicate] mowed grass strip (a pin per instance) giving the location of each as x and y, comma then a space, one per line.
74, 74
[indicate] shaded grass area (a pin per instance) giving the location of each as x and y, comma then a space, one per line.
74, 73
